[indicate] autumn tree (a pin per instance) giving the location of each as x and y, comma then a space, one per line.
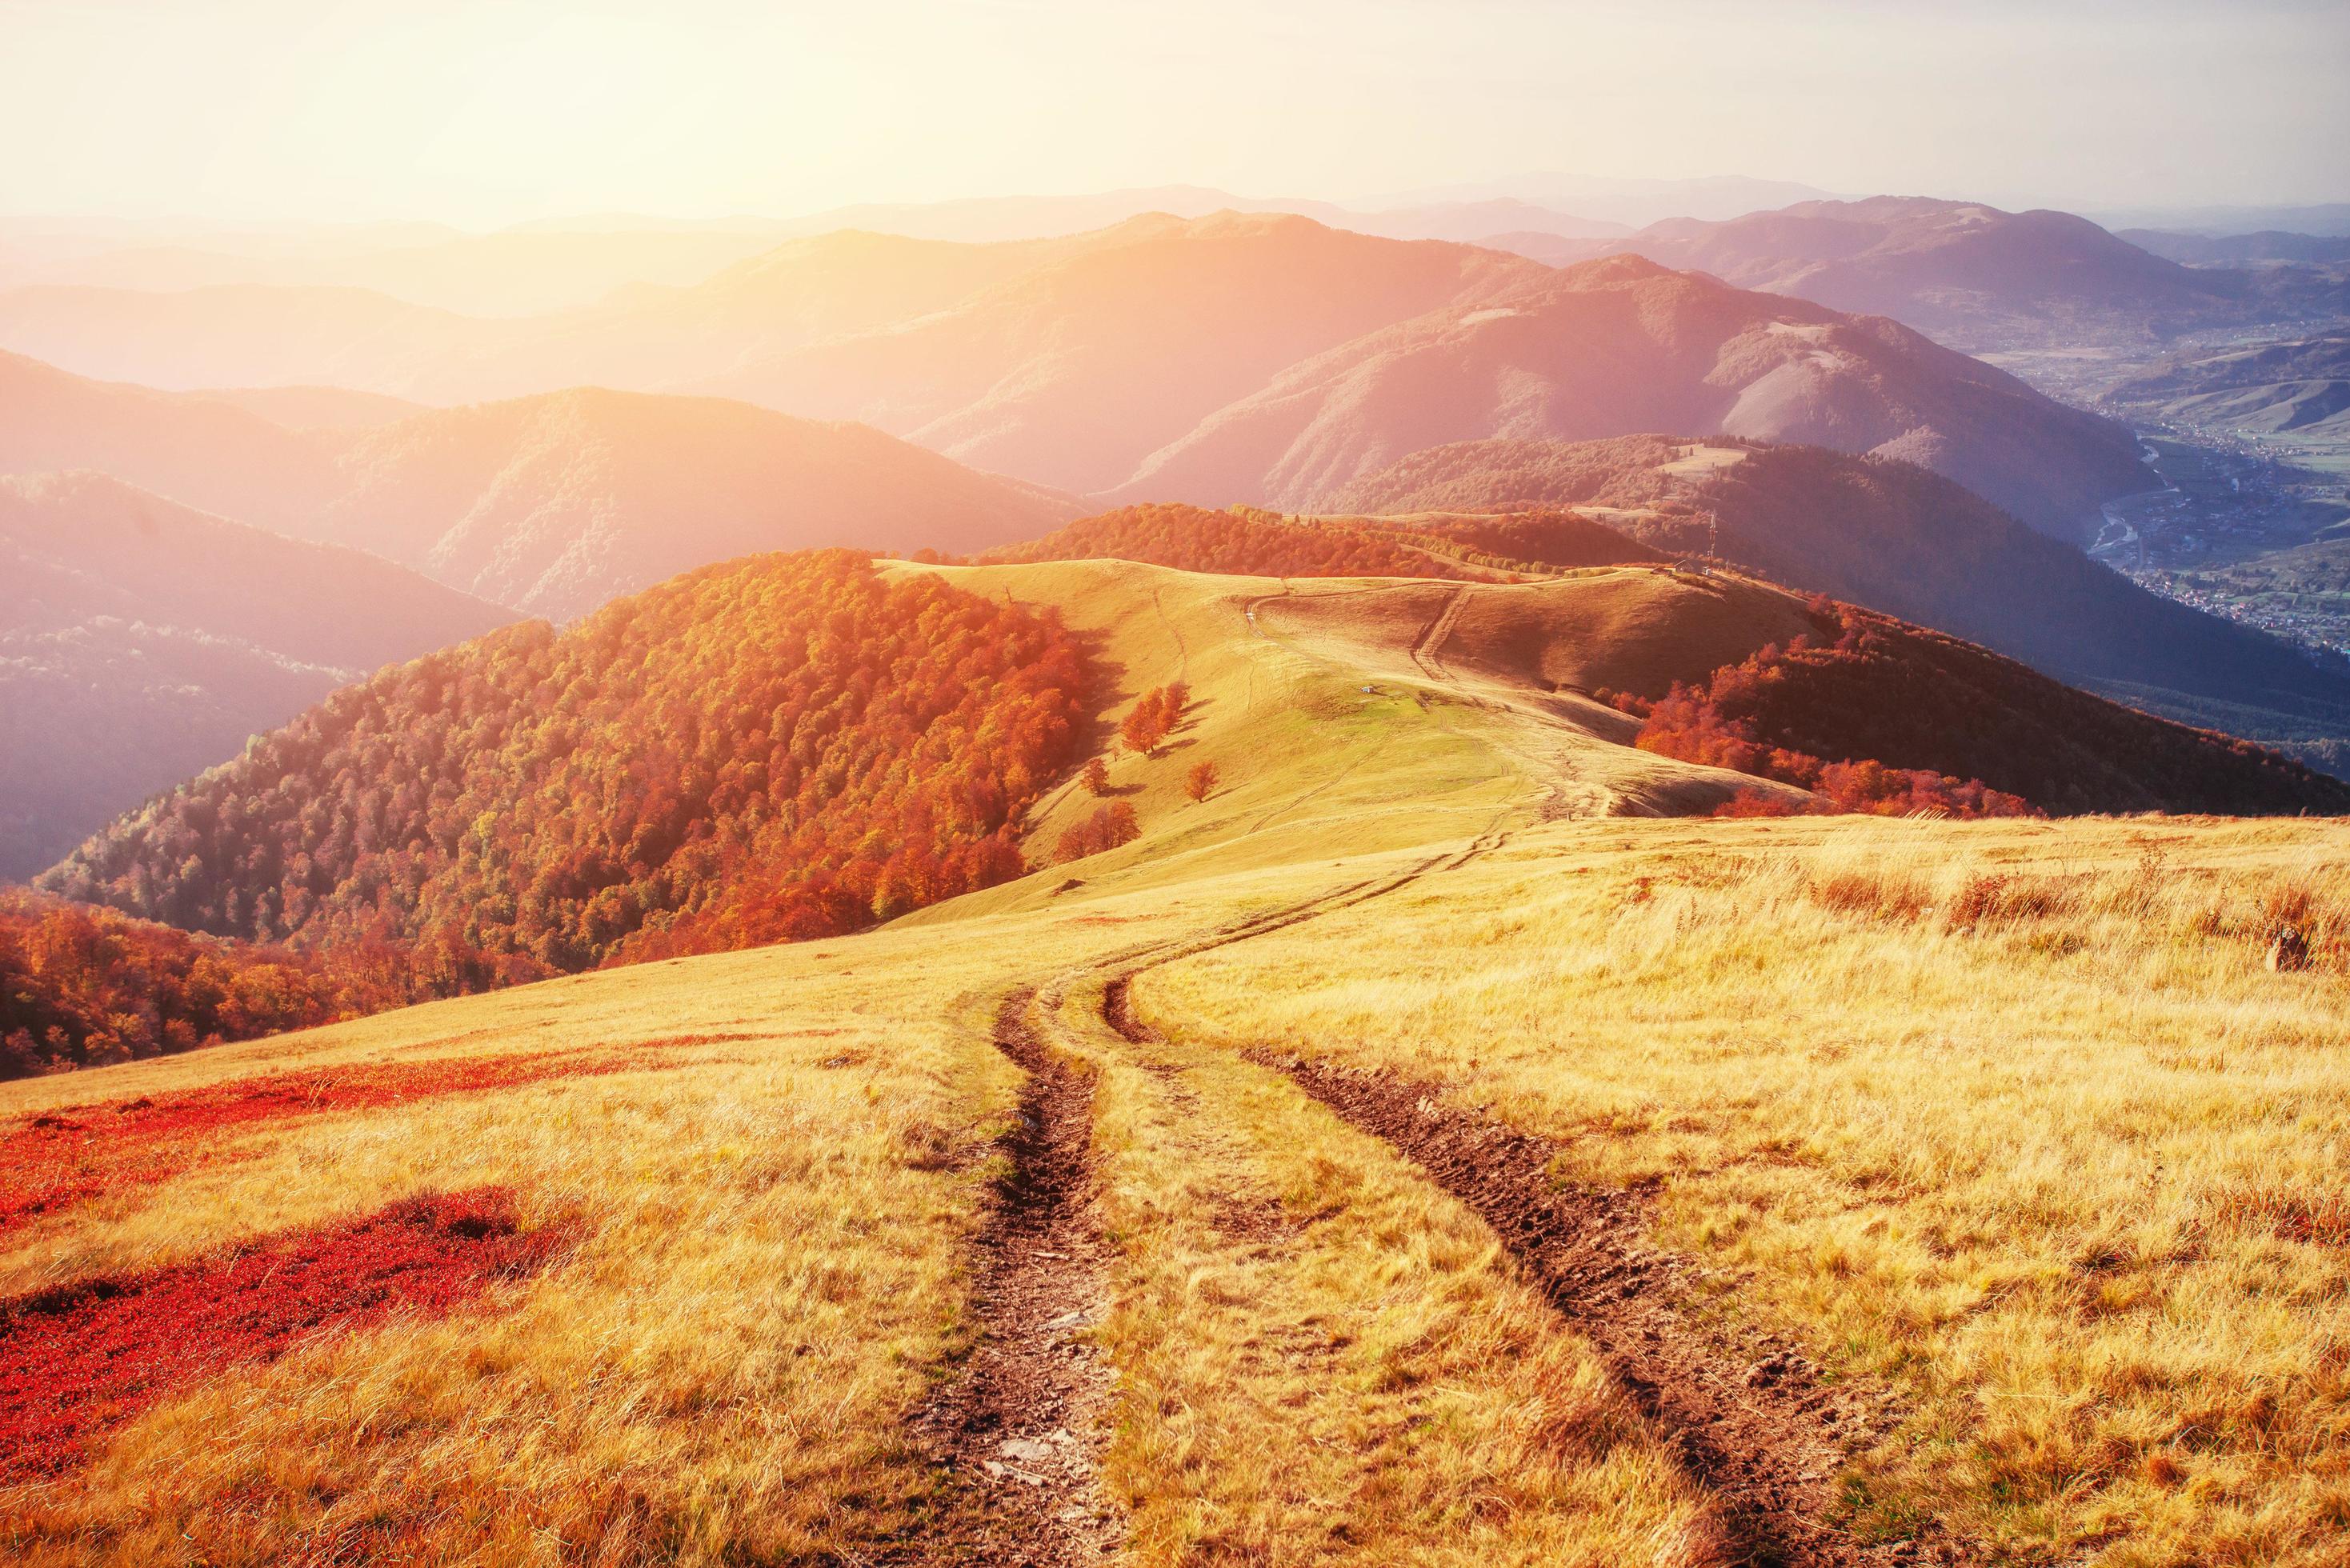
1201, 782
1097, 777
772, 749
86, 987
1106, 828
1145, 729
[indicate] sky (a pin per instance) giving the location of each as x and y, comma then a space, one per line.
485, 113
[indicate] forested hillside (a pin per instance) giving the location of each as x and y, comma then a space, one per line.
1250, 541
87, 988
779, 747
1956, 721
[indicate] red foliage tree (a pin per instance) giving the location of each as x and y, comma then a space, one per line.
85, 987
1106, 828
772, 749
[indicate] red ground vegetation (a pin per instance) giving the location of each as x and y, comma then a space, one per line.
82, 987
782, 746
63, 1157
80, 1359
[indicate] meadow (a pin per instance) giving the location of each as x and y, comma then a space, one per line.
1988, 1161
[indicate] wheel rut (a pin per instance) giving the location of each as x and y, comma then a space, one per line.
1019, 1436
1748, 1416
1754, 1423
1427, 652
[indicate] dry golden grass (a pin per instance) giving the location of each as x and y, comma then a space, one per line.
773, 1256
1323, 1359
2010, 1115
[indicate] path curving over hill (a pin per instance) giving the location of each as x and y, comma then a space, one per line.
1748, 1423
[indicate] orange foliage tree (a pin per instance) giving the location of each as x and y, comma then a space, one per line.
1742, 718
776, 748
82, 987
1106, 828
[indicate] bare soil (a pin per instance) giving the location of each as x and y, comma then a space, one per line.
1019, 1436
1751, 1418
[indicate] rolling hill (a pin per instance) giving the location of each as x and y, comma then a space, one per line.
1895, 537
1622, 346
1402, 1120
779, 746
554, 504
143, 642
549, 505
680, 812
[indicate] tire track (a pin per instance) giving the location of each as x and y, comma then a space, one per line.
1746, 1414
1020, 1435
1427, 651
1748, 1417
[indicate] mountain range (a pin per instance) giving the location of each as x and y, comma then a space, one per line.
1624, 346
548, 505
1967, 273
1258, 357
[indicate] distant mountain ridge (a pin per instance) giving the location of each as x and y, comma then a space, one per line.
549, 505
1130, 362
555, 504
143, 642
1967, 274
1623, 346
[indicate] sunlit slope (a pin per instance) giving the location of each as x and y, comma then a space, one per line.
1345, 715
2050, 1184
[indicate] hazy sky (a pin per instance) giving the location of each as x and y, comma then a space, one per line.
481, 113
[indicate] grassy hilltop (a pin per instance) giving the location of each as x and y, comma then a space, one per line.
1417, 1149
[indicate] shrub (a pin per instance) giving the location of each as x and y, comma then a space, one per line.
1201, 782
